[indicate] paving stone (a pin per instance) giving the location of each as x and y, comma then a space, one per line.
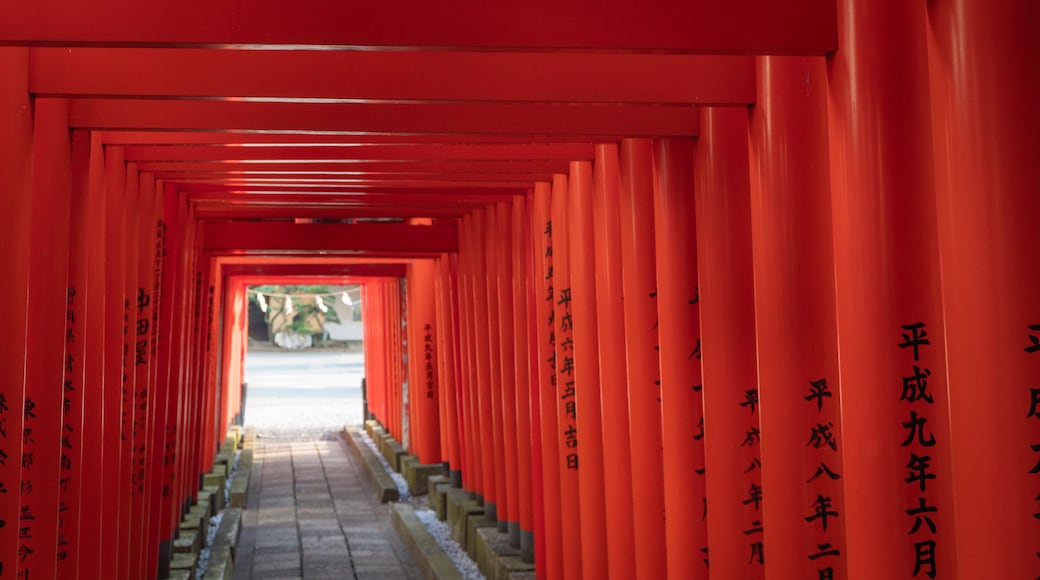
312, 514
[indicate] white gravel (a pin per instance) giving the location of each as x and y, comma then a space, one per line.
402, 484
442, 533
438, 529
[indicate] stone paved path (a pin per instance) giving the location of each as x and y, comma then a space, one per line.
311, 514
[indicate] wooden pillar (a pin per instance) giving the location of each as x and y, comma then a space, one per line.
610, 306
16, 144
521, 345
549, 547
638, 265
495, 510
986, 134
100, 396
167, 384
889, 304
483, 386
733, 479
422, 361
680, 349
509, 518
43, 406
473, 479
800, 438
582, 387
562, 340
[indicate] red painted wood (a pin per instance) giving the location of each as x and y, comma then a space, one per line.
16, 144
680, 347
585, 392
885, 229
731, 407
612, 359
395, 75
561, 334
521, 345
672, 25
794, 292
382, 153
43, 406
504, 251
530, 119
100, 439
255, 139
349, 237
986, 131
639, 275
445, 168
548, 536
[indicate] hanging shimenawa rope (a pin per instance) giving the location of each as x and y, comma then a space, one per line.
320, 298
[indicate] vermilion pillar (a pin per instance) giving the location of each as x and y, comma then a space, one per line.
445, 366
583, 389
982, 58
549, 547
100, 438
472, 476
680, 350
422, 357
161, 453
122, 215
800, 437
610, 304
509, 519
482, 354
498, 510
733, 479
456, 398
638, 265
141, 358
15, 176
889, 305
522, 348
42, 409
562, 341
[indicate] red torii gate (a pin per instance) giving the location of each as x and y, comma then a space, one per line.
869, 164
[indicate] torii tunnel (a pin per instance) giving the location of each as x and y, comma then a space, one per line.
677, 289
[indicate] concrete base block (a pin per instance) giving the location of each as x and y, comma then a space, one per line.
491, 547
239, 491
514, 535
221, 565
521, 574
527, 546
460, 508
190, 541
180, 575
191, 522
185, 562
474, 525
222, 463
393, 453
216, 498
214, 478
370, 425
228, 532
417, 475
491, 511
384, 485
438, 486
428, 555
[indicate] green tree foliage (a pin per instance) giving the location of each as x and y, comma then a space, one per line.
306, 317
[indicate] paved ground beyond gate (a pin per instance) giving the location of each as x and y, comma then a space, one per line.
312, 515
